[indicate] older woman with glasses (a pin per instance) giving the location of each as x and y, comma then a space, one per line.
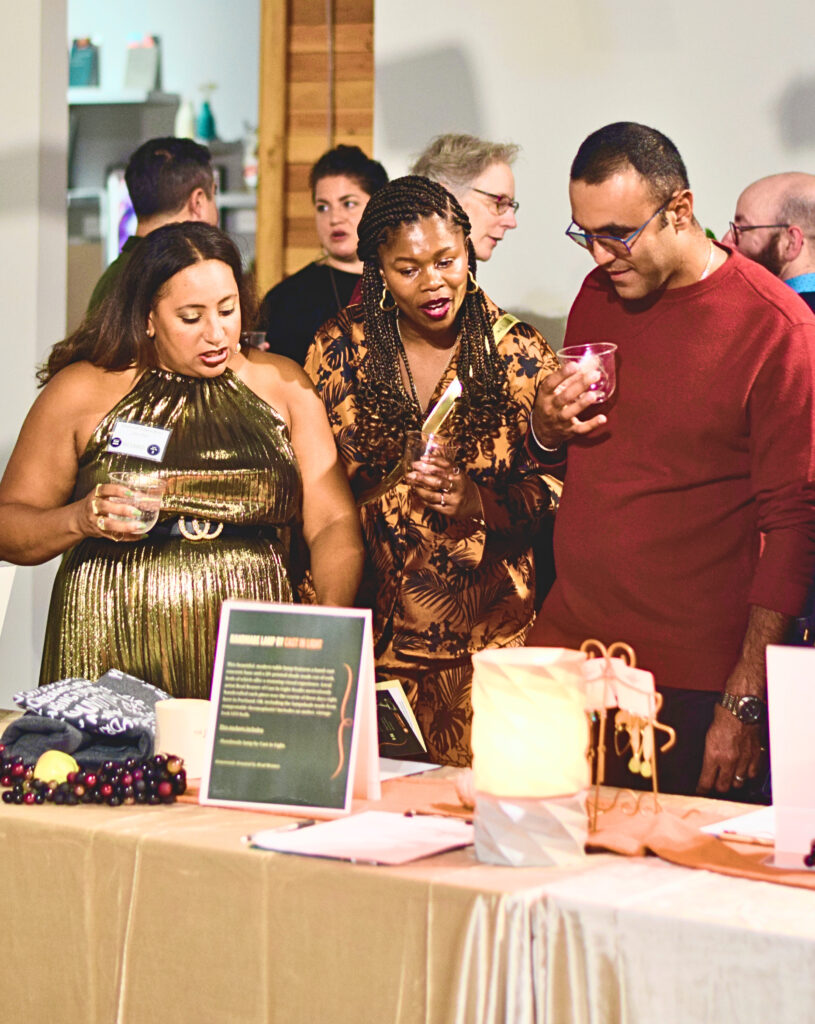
479, 174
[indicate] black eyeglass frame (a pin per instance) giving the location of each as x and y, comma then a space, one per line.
500, 201
736, 229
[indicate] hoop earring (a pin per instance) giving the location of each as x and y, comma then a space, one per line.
382, 306
471, 279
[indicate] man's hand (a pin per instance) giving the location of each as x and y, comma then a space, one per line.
733, 751
560, 399
732, 754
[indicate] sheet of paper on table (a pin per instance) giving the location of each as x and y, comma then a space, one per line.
372, 837
755, 825
393, 768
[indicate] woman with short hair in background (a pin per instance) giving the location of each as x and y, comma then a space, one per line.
479, 174
341, 182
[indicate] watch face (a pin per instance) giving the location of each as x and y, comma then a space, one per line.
751, 710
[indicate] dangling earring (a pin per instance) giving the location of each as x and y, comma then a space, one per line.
473, 282
382, 306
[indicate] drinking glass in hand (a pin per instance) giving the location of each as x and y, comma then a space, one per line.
599, 356
427, 448
146, 491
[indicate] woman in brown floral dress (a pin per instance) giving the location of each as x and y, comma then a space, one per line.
450, 568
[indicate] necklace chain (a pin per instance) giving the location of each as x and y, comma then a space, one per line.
404, 355
709, 263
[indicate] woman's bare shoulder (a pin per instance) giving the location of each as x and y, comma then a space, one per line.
86, 382
70, 405
82, 388
271, 373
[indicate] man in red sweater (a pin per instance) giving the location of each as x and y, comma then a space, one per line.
707, 444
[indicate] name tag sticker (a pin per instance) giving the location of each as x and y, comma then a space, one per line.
138, 440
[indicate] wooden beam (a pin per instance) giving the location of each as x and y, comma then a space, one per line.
295, 92
271, 144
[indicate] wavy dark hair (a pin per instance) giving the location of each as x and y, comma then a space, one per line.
351, 162
385, 409
114, 335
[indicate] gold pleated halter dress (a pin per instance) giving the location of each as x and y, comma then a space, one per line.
151, 607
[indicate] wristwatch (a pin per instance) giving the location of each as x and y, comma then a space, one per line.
748, 709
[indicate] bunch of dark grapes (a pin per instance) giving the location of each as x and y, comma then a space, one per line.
153, 780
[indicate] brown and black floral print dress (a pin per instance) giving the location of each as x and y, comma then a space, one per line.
443, 588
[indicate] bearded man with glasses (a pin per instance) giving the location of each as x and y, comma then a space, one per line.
687, 522
774, 225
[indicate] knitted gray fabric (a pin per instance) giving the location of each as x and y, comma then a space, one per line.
109, 720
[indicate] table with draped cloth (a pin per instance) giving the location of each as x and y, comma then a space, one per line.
144, 914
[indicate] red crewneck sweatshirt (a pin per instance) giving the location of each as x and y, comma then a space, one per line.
709, 444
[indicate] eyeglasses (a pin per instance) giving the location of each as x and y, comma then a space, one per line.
613, 244
502, 203
737, 229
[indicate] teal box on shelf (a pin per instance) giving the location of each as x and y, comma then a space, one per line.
84, 63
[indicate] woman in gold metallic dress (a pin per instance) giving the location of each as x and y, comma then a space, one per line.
156, 381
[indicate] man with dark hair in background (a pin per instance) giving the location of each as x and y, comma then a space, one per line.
168, 180
706, 446
774, 225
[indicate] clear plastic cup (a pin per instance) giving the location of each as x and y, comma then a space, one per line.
423, 447
591, 356
146, 492
255, 339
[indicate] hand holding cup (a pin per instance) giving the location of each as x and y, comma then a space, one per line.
127, 507
431, 470
596, 360
586, 377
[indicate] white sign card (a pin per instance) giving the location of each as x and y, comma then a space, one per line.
790, 680
293, 713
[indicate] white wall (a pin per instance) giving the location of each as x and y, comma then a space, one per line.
732, 82
33, 73
201, 41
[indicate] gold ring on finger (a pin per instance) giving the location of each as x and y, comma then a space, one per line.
94, 507
442, 499
99, 521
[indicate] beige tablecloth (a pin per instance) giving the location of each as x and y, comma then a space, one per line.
163, 914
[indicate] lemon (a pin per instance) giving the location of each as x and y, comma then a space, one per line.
54, 765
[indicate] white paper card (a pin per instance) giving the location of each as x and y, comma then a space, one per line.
790, 677
372, 837
758, 825
138, 440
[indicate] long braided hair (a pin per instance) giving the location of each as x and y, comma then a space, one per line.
385, 409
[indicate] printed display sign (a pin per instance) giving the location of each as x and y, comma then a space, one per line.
293, 719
